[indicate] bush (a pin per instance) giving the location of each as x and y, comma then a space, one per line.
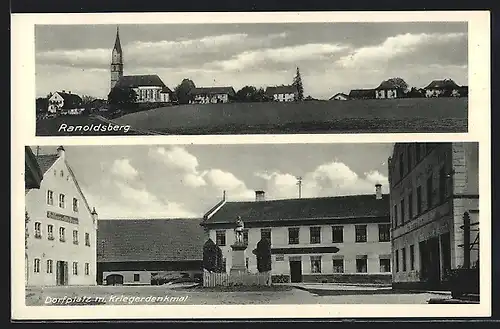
263, 253
281, 278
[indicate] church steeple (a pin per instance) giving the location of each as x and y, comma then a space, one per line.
116, 60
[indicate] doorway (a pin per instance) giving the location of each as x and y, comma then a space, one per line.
114, 279
430, 262
61, 273
295, 271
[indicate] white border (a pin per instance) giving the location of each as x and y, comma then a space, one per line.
23, 133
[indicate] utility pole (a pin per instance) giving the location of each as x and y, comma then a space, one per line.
37, 150
299, 183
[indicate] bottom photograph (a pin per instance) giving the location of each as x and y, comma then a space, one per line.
361, 223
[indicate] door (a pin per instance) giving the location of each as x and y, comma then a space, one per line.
61, 273
434, 263
295, 271
114, 279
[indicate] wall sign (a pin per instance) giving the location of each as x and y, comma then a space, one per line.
64, 218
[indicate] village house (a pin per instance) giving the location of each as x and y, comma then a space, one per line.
362, 94
282, 93
432, 186
444, 88
134, 252
62, 102
388, 90
61, 242
148, 88
339, 97
212, 95
331, 239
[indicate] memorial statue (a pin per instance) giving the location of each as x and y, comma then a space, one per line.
239, 230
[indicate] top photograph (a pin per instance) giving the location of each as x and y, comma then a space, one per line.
251, 78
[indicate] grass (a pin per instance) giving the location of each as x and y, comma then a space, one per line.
357, 116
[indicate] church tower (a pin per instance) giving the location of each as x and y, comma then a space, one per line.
116, 60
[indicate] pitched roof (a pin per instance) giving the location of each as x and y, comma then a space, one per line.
362, 93
339, 94
388, 85
45, 161
70, 100
121, 240
118, 45
212, 90
33, 173
442, 84
281, 90
340, 207
134, 81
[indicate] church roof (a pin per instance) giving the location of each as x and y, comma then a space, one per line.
122, 240
118, 45
134, 81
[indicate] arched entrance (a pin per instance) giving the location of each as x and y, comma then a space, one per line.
114, 279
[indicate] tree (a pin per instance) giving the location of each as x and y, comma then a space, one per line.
399, 83
183, 91
246, 94
122, 96
415, 93
263, 253
297, 83
87, 100
42, 104
210, 256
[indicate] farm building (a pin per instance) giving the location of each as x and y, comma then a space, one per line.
135, 251
212, 95
445, 88
282, 93
362, 94
64, 102
339, 97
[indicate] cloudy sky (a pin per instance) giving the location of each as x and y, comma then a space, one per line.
144, 181
332, 57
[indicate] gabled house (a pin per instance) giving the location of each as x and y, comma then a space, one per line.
148, 88
212, 95
362, 94
282, 93
64, 102
444, 88
339, 97
388, 89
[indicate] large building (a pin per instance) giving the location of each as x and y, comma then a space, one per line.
148, 88
432, 186
135, 251
331, 239
212, 95
61, 231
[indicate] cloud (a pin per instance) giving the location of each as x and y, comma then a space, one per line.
123, 169
398, 46
225, 181
289, 54
330, 179
175, 157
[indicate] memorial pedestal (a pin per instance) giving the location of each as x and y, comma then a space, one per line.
238, 258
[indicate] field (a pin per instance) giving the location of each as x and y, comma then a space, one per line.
357, 116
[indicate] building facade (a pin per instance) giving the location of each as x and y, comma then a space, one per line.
432, 186
444, 88
282, 93
63, 102
337, 239
212, 95
61, 231
136, 252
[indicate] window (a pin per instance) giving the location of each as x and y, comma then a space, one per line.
87, 269
75, 205
395, 222
360, 233
50, 197
293, 235
246, 262
396, 260
49, 265
361, 264
419, 200
36, 265
75, 268
337, 234
38, 230
403, 258
61, 200
280, 258
62, 173
442, 185
265, 233
412, 257
385, 265
315, 264
315, 234
75, 237
50, 232
224, 265
429, 192
338, 265
401, 166
87, 239
220, 238
137, 277
410, 205
384, 234
402, 211
245, 236
62, 235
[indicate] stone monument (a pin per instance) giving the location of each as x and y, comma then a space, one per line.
238, 249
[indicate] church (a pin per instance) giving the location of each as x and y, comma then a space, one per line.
149, 88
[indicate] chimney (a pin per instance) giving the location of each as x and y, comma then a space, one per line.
260, 196
69, 91
60, 152
64, 91
94, 215
378, 191
224, 195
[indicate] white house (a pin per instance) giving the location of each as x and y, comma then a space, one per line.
282, 93
64, 102
212, 95
443, 88
61, 242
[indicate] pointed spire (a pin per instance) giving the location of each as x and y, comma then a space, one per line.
118, 45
